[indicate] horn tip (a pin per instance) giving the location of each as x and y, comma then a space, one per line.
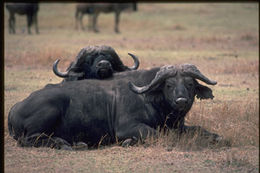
56, 62
214, 82
136, 62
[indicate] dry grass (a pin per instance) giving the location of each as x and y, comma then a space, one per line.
220, 39
236, 121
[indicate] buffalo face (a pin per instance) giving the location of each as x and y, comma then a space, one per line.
177, 87
95, 62
101, 68
179, 92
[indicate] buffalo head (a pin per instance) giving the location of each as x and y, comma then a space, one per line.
177, 86
95, 62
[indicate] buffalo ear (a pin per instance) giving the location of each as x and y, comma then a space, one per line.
203, 92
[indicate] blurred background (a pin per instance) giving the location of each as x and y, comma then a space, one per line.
164, 31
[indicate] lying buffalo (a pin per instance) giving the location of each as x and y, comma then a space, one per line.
28, 9
94, 9
94, 62
93, 112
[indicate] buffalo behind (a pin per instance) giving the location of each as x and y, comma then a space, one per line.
94, 9
30, 10
92, 112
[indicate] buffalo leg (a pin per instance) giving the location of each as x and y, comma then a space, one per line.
43, 140
81, 21
131, 135
90, 18
43, 133
35, 21
80, 146
117, 16
95, 16
29, 23
193, 130
12, 23
76, 19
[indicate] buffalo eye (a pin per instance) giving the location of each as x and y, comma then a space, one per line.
169, 85
190, 84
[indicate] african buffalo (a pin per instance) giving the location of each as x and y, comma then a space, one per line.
28, 9
95, 62
94, 9
94, 112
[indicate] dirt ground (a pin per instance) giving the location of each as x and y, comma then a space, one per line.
221, 39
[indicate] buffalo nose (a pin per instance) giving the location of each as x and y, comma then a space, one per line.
181, 101
103, 64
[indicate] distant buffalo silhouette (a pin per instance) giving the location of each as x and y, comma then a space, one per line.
94, 9
28, 9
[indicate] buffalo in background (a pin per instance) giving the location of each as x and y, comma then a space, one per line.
28, 9
94, 9
94, 112
94, 62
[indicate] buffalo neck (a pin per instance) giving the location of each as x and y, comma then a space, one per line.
169, 117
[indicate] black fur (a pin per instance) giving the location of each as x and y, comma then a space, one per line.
107, 110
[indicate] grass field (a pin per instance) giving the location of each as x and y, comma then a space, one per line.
222, 40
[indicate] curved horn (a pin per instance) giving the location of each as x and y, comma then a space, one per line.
192, 71
58, 73
161, 75
136, 62
64, 74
